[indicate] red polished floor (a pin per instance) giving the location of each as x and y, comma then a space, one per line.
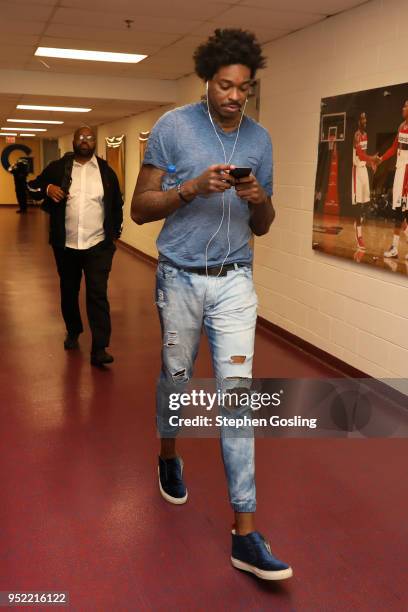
80, 510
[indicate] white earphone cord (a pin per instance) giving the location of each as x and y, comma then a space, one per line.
223, 193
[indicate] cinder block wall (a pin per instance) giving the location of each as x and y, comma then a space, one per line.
357, 313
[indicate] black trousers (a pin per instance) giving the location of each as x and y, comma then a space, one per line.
96, 264
21, 195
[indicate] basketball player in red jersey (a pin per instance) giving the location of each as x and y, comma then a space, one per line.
400, 189
360, 181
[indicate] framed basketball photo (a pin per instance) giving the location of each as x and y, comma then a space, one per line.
361, 189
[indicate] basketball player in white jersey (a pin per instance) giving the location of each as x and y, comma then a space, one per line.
360, 188
400, 189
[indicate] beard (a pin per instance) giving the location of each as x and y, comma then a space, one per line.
84, 151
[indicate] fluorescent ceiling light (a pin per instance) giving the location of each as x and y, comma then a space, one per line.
23, 129
93, 56
6, 134
65, 109
34, 121
24, 135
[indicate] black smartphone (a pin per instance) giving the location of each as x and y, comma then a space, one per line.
238, 173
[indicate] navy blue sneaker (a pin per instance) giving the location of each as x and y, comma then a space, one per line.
171, 484
252, 553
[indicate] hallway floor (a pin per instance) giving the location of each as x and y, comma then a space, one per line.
80, 509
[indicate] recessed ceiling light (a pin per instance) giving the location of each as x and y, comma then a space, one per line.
34, 121
93, 56
8, 134
23, 129
65, 109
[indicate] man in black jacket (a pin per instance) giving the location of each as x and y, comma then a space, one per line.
20, 170
82, 196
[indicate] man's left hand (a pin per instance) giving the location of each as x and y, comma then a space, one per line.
249, 189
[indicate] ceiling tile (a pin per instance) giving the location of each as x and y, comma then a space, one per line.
181, 63
18, 52
28, 11
325, 7
22, 27
101, 35
12, 63
9, 98
183, 47
7, 38
149, 8
263, 35
101, 19
22, 3
160, 73
267, 18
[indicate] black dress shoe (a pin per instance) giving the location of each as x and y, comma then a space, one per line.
100, 358
71, 342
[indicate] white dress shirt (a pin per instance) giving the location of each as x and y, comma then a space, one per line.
85, 214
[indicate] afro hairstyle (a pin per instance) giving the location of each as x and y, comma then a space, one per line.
225, 48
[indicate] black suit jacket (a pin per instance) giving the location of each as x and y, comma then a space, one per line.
55, 174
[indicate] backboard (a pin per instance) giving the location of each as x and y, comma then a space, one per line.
333, 127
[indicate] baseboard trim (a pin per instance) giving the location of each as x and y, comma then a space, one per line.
343, 368
327, 359
128, 247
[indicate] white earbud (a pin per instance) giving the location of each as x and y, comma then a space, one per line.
223, 194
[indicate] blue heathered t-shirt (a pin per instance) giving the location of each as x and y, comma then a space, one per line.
185, 138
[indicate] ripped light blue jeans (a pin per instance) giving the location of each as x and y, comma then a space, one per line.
226, 306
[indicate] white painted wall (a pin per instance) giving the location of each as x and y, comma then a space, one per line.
143, 237
65, 143
357, 313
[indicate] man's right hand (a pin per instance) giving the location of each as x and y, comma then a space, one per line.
55, 193
375, 161
213, 180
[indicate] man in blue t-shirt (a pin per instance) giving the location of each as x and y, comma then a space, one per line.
204, 276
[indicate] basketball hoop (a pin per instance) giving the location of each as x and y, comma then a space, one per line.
332, 131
